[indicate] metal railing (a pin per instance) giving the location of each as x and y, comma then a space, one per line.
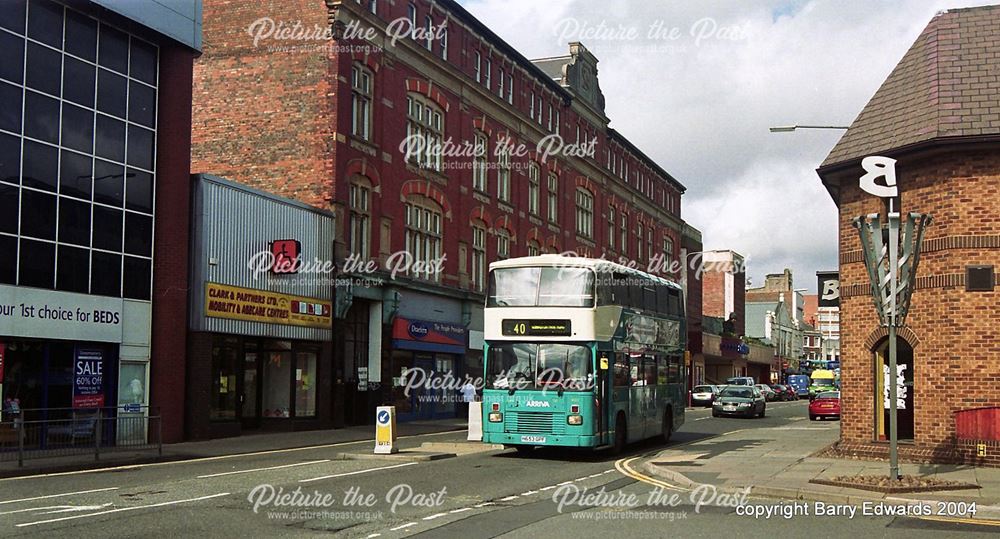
34, 433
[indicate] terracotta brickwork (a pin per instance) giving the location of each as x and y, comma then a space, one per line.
953, 332
277, 116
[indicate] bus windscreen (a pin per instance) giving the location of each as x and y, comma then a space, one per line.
541, 287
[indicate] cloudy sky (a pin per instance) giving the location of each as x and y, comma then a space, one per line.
699, 96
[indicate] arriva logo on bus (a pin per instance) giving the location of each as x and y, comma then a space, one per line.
537, 404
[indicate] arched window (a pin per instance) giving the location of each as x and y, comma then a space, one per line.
553, 199
360, 217
584, 213
533, 248
480, 162
423, 234
503, 171
503, 243
668, 252
361, 101
478, 255
424, 132
534, 188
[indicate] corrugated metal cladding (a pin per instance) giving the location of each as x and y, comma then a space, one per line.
232, 223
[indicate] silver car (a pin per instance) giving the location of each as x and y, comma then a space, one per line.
704, 395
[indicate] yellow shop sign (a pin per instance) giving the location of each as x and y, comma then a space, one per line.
223, 301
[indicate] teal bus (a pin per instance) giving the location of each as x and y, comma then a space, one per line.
581, 353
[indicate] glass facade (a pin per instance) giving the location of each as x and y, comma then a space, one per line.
77, 152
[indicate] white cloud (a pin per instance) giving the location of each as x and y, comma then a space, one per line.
702, 107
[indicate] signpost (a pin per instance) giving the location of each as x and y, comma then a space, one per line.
385, 430
891, 251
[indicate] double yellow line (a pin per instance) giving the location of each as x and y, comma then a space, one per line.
624, 466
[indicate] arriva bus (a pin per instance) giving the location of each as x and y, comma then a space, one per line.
581, 353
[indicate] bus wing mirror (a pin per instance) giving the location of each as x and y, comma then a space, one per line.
604, 363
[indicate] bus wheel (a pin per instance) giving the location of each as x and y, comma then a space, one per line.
668, 425
621, 435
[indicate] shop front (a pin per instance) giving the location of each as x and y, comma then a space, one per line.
427, 365
259, 349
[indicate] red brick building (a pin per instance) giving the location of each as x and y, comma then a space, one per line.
938, 115
282, 107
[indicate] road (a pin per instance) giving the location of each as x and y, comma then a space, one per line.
485, 494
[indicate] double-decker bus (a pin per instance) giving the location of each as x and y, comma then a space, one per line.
581, 353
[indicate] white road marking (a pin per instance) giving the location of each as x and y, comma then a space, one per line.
484, 504
564, 483
407, 525
372, 536
121, 509
508, 498
218, 457
77, 509
462, 510
437, 515
357, 472
593, 475
547, 488
264, 469
701, 418
58, 495
529, 493
35, 509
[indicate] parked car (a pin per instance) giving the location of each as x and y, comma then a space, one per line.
800, 383
785, 393
746, 401
769, 394
825, 404
703, 395
741, 381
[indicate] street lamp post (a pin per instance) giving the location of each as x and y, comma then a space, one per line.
891, 252
790, 128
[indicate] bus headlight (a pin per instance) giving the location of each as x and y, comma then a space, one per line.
496, 417
574, 420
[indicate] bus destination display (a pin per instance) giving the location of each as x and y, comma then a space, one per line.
536, 328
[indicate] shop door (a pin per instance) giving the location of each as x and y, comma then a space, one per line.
421, 397
447, 395
250, 392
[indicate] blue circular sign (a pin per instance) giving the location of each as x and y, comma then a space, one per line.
383, 417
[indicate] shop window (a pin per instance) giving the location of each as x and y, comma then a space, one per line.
77, 128
74, 222
42, 69
109, 183
110, 138
138, 234
139, 191
140, 147
142, 60
40, 166
141, 104
8, 208
113, 49
10, 115
111, 91
11, 58
277, 381
107, 231
224, 371
305, 384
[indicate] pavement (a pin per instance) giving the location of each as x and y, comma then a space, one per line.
778, 462
222, 447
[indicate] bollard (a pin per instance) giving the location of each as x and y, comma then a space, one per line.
475, 421
385, 430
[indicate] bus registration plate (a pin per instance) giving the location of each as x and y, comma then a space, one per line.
533, 439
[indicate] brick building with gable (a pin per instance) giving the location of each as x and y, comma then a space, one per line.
322, 121
938, 115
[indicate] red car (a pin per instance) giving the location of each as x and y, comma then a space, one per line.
826, 404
